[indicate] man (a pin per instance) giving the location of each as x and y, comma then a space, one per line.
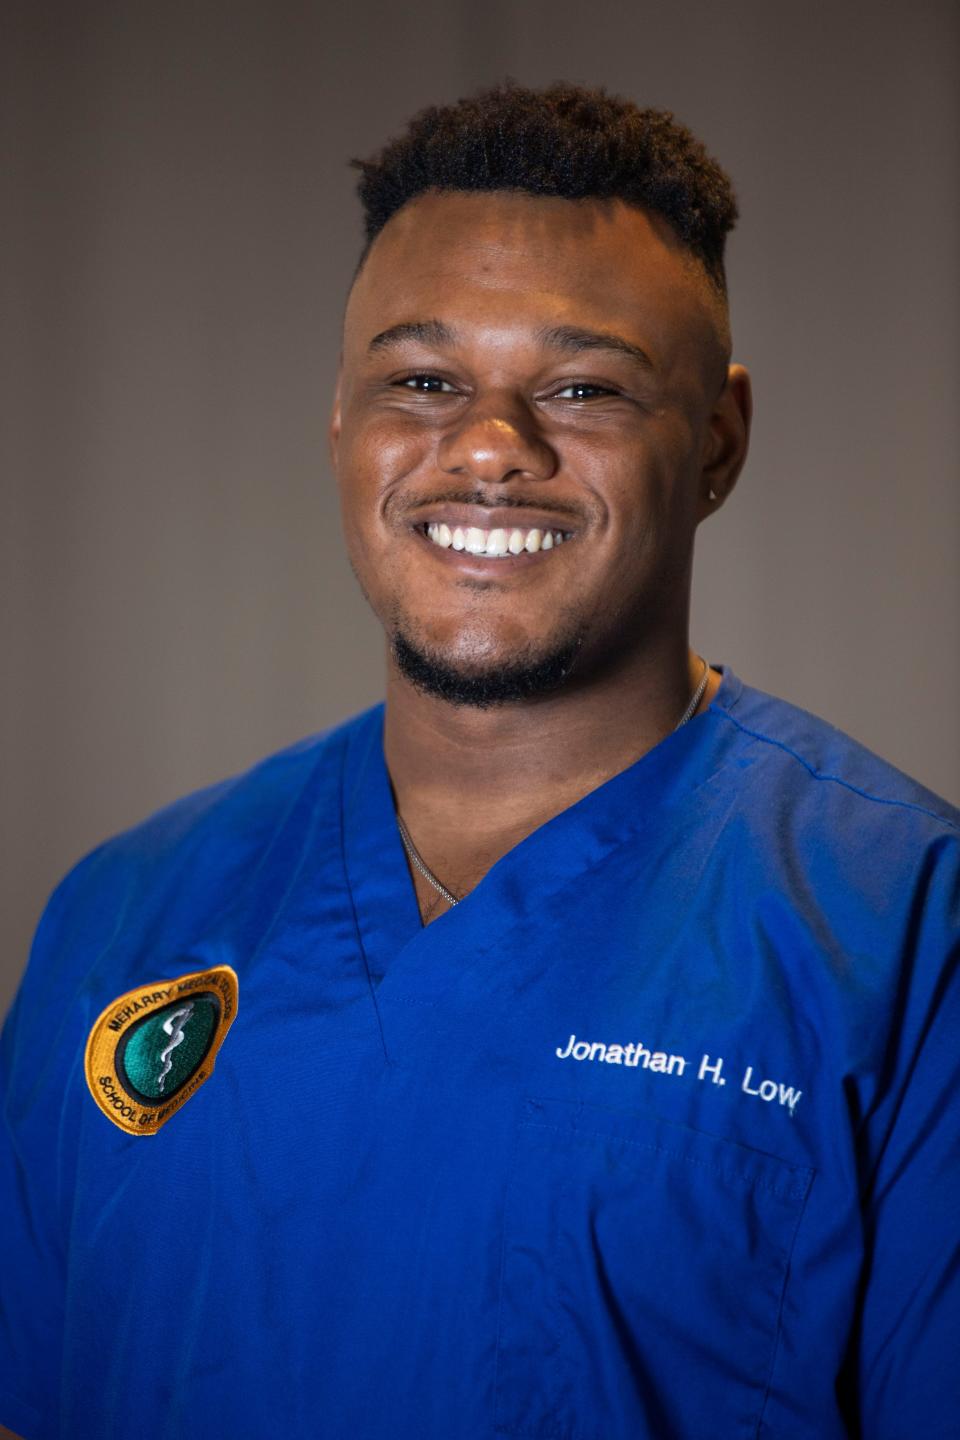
569, 1048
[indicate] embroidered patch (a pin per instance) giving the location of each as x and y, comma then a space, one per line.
153, 1047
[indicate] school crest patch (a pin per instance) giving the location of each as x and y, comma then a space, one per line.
153, 1047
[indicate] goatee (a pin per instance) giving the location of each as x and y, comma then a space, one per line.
523, 678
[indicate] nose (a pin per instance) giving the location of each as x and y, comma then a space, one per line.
497, 441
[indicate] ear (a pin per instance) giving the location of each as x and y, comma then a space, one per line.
728, 436
333, 432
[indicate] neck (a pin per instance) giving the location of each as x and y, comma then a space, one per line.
470, 784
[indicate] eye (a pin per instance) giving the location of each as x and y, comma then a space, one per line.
426, 384
582, 390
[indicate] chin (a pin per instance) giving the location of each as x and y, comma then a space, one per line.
483, 684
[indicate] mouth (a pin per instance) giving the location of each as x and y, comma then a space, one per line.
493, 542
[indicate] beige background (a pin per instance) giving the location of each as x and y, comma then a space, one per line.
179, 228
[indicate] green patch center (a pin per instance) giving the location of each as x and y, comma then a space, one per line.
163, 1052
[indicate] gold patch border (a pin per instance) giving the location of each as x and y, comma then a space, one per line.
102, 1045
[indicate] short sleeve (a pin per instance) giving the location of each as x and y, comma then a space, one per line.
35, 1071
31, 1278
904, 1376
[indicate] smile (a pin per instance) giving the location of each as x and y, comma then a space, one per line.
497, 543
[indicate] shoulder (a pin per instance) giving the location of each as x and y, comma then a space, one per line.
824, 832
816, 765
237, 814
245, 807
175, 874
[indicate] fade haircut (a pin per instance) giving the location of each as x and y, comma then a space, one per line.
566, 141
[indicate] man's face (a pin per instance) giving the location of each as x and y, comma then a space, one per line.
524, 423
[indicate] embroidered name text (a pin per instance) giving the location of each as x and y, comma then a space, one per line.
634, 1054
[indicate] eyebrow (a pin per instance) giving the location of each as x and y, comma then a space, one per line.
427, 332
575, 339
572, 338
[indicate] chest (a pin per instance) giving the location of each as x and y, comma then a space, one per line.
530, 1177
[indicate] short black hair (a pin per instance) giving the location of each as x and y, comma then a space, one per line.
564, 140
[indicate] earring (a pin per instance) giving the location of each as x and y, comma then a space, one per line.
712, 495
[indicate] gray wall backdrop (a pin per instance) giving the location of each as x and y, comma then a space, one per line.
179, 229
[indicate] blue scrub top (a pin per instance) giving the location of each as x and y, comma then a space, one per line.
656, 1134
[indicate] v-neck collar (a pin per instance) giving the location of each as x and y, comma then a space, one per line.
570, 844
384, 899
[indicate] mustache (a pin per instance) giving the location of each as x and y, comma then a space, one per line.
493, 500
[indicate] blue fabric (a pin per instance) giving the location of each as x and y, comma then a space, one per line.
654, 1135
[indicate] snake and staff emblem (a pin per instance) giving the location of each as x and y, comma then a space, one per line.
173, 1026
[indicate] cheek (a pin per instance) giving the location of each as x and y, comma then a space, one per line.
375, 460
360, 473
377, 456
650, 485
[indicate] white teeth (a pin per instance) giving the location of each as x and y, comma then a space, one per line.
498, 543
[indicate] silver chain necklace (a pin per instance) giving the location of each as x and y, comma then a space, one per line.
414, 855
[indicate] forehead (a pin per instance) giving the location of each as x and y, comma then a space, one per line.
514, 263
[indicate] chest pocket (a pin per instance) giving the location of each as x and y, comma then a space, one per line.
644, 1270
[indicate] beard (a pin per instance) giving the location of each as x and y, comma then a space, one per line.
527, 676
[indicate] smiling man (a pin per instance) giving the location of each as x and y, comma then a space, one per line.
569, 1047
